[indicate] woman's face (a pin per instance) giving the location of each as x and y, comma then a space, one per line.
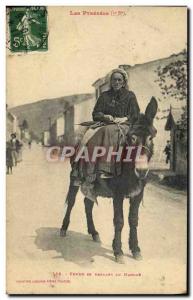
117, 81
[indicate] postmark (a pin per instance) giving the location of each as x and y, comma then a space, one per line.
28, 29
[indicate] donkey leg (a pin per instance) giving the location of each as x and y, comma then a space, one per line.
133, 223
118, 225
89, 218
69, 203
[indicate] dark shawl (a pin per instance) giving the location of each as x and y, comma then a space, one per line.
122, 103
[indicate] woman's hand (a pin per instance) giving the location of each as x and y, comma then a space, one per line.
120, 120
108, 117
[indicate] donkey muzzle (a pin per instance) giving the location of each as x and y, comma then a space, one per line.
141, 167
141, 173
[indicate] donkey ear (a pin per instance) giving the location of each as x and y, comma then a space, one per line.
151, 109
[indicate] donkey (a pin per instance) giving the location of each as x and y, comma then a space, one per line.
129, 184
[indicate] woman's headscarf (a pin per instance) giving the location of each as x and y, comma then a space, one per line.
122, 72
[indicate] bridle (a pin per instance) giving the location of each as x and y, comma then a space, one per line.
139, 176
146, 173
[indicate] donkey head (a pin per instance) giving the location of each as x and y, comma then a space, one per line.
141, 137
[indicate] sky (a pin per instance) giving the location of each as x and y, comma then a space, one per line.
84, 48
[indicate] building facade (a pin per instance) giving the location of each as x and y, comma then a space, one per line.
11, 125
178, 140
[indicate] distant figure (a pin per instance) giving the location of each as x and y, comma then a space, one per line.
16, 149
9, 158
167, 151
13, 146
29, 144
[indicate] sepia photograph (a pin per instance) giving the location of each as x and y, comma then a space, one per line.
97, 150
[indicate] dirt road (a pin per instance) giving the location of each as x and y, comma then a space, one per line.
40, 261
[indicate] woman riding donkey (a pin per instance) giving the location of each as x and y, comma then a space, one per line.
114, 113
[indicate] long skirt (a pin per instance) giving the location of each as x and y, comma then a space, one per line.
14, 156
110, 137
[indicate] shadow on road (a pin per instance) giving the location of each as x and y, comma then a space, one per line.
75, 247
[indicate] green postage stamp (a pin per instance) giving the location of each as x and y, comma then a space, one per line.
27, 28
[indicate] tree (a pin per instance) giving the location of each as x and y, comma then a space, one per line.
172, 80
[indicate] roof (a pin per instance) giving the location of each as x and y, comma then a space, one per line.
173, 118
78, 100
171, 58
10, 116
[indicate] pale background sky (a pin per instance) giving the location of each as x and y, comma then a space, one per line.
84, 48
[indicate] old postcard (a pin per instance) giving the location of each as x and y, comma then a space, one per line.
96, 150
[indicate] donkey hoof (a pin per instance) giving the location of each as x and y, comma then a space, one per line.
119, 259
96, 238
137, 255
62, 232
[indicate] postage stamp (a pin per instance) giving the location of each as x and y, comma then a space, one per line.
27, 28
